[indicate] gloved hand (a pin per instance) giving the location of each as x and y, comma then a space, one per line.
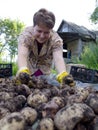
24, 70
23, 75
65, 78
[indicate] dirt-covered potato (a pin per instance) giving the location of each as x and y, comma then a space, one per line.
93, 125
23, 89
23, 78
84, 92
13, 121
92, 101
16, 103
34, 100
36, 82
47, 92
67, 117
50, 109
76, 98
55, 91
30, 115
3, 112
69, 80
4, 96
42, 104
46, 124
59, 101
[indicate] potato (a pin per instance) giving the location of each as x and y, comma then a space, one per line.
4, 96
59, 101
67, 117
16, 103
23, 89
46, 124
29, 114
13, 121
3, 112
34, 100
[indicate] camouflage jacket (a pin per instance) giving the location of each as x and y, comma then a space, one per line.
44, 59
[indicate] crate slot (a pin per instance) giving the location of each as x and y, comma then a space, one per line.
84, 74
5, 70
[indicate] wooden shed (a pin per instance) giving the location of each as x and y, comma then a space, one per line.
75, 38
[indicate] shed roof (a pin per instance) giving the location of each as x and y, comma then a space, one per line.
71, 31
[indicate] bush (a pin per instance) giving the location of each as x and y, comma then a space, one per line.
14, 68
89, 57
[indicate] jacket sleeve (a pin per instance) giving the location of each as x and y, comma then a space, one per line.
22, 52
59, 61
58, 54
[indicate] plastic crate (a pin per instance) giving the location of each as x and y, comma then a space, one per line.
5, 70
84, 74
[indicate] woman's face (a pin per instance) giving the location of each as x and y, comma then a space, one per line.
41, 33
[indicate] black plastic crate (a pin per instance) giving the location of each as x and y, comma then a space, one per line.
84, 74
5, 70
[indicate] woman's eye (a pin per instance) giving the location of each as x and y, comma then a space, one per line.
39, 31
46, 32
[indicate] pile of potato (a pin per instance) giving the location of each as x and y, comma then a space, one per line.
38, 105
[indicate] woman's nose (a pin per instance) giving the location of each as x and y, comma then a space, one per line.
42, 35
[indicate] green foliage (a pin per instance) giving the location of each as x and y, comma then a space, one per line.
94, 16
53, 71
9, 32
89, 57
14, 68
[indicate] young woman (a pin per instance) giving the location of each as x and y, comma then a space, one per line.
39, 46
